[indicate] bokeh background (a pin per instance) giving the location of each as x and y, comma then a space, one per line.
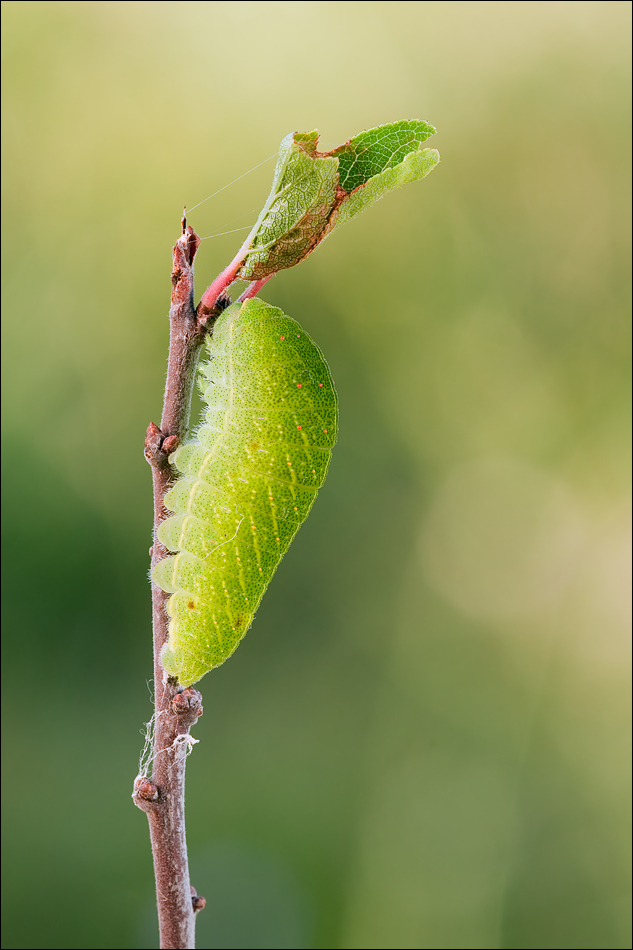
422, 741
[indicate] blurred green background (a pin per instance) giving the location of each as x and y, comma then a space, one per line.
421, 742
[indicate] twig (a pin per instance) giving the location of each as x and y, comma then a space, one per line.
162, 796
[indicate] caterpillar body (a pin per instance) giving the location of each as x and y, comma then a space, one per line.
249, 479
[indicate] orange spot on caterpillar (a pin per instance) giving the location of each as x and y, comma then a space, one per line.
191, 605
320, 384
298, 427
282, 338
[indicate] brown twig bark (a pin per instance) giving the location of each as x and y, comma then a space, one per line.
162, 796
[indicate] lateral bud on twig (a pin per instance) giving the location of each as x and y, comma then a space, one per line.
152, 448
197, 901
158, 448
170, 444
188, 706
146, 794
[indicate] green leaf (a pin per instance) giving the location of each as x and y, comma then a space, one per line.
313, 192
415, 166
370, 153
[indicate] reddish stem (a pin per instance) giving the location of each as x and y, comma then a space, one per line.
253, 289
221, 282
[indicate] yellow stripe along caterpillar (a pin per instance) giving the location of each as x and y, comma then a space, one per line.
249, 479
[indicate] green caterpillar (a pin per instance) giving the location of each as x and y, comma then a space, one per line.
249, 480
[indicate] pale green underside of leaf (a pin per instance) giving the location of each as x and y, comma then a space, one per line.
297, 209
314, 192
415, 166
